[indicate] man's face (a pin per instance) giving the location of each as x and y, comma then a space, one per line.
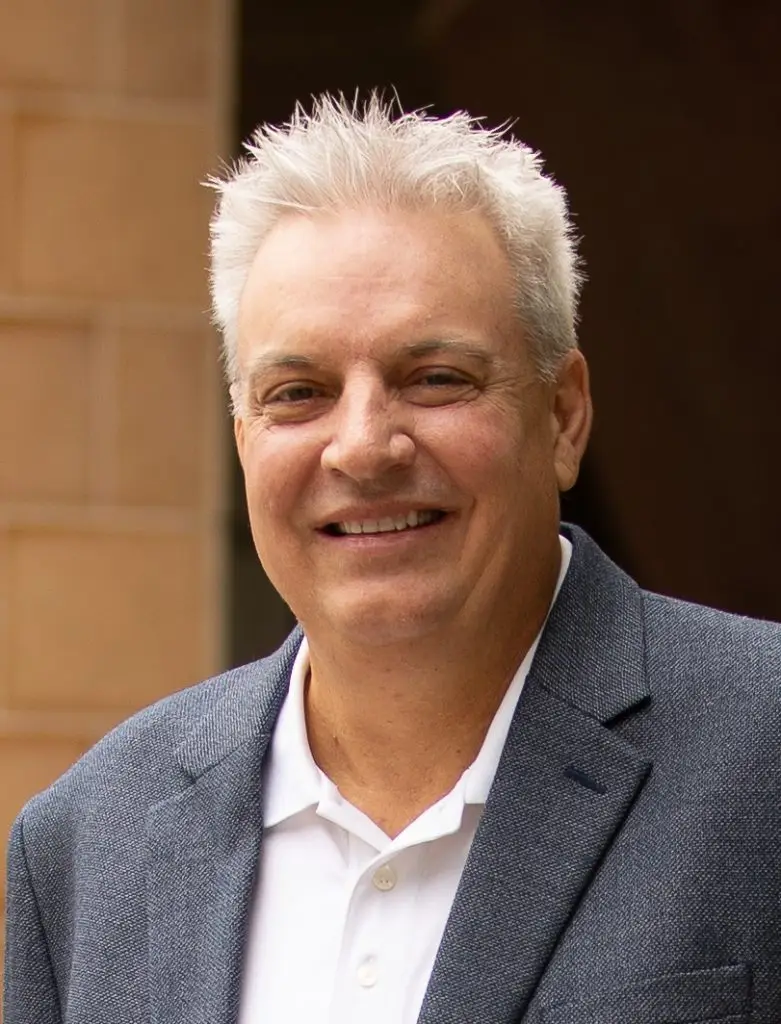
402, 460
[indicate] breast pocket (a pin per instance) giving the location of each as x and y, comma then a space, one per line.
721, 995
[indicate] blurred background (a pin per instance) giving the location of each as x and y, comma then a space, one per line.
126, 567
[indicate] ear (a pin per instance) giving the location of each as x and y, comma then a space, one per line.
571, 418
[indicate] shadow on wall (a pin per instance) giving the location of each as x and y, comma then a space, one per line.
661, 123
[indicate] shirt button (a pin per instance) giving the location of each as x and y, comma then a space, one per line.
384, 878
367, 974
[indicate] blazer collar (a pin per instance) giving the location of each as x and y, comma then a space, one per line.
202, 850
592, 652
564, 787
246, 712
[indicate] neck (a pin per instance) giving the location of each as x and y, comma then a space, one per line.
395, 727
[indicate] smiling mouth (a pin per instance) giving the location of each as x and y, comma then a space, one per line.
414, 520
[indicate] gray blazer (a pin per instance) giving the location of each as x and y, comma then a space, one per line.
626, 870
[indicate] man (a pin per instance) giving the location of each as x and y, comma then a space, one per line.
489, 779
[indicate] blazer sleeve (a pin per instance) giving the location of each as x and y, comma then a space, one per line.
30, 991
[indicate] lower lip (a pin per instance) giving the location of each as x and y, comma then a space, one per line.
389, 539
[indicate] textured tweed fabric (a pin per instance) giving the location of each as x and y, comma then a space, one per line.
627, 868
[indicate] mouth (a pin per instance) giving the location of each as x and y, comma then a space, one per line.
413, 520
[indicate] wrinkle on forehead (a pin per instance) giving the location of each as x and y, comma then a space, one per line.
365, 275
352, 245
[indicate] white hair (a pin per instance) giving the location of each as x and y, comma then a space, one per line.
341, 157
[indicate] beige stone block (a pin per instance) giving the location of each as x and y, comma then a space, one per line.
28, 765
170, 48
44, 411
7, 200
101, 620
113, 209
5, 635
162, 415
46, 43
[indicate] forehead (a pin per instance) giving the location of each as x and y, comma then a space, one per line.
377, 274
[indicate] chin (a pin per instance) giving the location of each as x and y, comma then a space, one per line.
377, 623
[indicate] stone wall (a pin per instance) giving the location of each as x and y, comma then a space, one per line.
112, 433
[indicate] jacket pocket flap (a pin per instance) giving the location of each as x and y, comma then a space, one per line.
714, 995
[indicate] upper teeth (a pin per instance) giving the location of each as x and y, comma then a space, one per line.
389, 523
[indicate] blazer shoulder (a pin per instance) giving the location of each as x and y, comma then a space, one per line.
718, 648
136, 764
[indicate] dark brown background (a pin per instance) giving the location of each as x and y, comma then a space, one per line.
662, 121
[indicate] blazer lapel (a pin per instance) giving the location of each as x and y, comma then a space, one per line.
203, 846
563, 788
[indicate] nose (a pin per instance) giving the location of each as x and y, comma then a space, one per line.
369, 439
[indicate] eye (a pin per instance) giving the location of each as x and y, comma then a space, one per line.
292, 402
441, 379
293, 393
439, 386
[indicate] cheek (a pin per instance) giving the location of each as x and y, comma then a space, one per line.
481, 452
503, 464
276, 474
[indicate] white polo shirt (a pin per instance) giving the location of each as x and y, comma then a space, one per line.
346, 922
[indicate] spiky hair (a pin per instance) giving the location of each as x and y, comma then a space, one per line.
345, 155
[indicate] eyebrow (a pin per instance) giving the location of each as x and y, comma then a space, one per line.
277, 361
463, 348
417, 350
